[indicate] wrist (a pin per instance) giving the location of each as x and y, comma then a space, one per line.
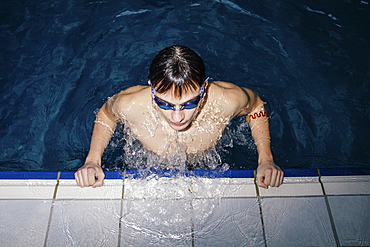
90, 160
265, 158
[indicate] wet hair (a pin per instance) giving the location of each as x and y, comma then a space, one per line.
178, 68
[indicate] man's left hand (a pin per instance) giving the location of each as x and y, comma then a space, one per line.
269, 174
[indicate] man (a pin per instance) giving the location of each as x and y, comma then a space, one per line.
180, 109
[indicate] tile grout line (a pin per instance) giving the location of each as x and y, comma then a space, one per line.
336, 238
121, 212
56, 186
192, 234
123, 184
51, 209
260, 206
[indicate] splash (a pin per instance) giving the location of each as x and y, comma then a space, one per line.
204, 146
200, 147
169, 206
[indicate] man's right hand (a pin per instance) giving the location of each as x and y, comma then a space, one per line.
90, 174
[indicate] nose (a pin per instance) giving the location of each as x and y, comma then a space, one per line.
177, 116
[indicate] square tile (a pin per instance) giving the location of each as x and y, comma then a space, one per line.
188, 187
295, 186
227, 222
24, 222
297, 222
157, 188
222, 187
27, 189
351, 218
156, 223
68, 189
346, 185
84, 223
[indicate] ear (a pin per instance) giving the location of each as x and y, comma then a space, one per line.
206, 83
149, 83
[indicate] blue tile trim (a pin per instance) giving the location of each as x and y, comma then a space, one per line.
28, 175
108, 175
114, 175
310, 172
201, 173
67, 175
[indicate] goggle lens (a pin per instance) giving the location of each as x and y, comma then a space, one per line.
187, 105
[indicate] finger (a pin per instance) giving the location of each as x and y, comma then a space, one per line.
84, 177
274, 178
260, 181
80, 178
76, 178
278, 178
281, 177
267, 180
91, 174
100, 180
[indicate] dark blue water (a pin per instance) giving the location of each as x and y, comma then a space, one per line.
309, 60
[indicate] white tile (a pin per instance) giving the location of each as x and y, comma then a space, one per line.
297, 222
27, 189
156, 223
295, 186
68, 189
188, 187
351, 218
346, 185
84, 223
157, 188
227, 222
222, 187
23, 222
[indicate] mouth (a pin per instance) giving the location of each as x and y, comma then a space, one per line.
177, 124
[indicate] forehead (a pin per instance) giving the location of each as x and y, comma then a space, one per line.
186, 93
176, 86
171, 97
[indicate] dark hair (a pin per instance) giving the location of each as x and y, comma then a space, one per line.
178, 67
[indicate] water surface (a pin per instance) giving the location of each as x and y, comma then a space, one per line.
309, 60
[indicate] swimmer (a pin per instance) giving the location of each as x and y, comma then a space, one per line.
180, 101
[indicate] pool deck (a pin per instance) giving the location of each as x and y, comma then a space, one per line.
326, 207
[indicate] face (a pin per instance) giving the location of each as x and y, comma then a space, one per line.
178, 112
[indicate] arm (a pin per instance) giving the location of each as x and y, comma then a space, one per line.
91, 172
268, 173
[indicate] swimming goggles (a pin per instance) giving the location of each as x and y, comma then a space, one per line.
191, 104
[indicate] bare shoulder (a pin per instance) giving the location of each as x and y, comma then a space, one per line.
230, 92
227, 89
224, 85
131, 91
135, 93
131, 98
240, 99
